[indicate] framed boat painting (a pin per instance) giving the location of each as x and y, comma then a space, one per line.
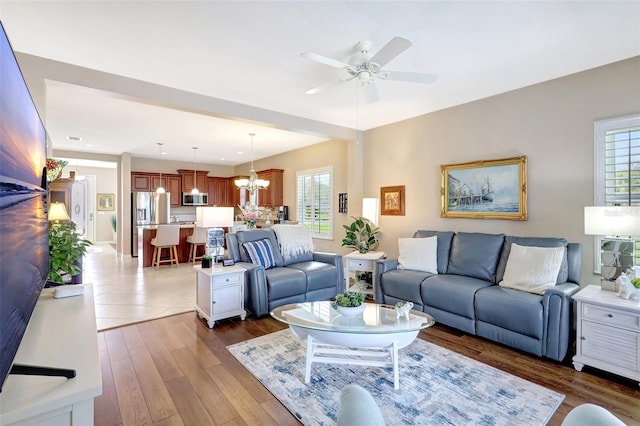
488, 189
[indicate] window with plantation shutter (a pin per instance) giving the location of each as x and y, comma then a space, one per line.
314, 205
617, 168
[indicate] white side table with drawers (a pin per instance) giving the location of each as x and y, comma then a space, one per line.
361, 262
608, 332
220, 292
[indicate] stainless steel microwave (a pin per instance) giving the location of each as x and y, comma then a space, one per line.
189, 199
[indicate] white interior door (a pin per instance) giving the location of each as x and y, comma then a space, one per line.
83, 206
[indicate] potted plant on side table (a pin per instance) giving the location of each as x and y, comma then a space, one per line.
361, 235
206, 261
66, 250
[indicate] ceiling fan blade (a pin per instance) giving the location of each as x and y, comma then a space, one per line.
327, 85
324, 60
413, 77
396, 46
371, 93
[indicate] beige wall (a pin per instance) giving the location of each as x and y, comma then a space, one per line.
332, 153
551, 123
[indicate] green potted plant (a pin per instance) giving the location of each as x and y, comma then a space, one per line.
361, 235
66, 250
349, 303
206, 261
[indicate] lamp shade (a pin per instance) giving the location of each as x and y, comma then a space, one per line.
58, 211
214, 217
370, 209
612, 220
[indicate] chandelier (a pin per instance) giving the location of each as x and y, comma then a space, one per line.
253, 183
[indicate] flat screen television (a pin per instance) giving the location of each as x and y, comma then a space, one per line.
24, 239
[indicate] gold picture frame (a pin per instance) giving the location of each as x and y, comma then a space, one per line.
106, 202
489, 189
392, 200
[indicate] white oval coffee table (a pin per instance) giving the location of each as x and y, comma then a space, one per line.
371, 339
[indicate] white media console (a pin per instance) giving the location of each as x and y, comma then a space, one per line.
62, 334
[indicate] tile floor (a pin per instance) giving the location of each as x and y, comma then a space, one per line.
126, 293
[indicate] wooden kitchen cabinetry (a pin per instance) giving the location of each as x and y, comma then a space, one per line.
174, 186
171, 183
273, 195
218, 190
149, 182
233, 192
141, 181
187, 180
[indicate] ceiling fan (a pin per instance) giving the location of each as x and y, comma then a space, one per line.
366, 67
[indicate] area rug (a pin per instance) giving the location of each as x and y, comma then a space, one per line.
437, 386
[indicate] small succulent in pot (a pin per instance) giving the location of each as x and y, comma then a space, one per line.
349, 299
206, 261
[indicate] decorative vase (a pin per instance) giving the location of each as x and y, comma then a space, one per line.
350, 310
206, 263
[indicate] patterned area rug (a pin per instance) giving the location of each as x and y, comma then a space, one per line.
437, 386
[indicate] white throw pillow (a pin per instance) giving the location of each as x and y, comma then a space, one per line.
532, 269
419, 254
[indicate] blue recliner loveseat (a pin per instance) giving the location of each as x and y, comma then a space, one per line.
464, 293
306, 277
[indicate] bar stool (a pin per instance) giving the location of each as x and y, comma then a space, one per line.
198, 238
167, 236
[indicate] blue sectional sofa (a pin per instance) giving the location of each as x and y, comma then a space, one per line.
464, 293
306, 277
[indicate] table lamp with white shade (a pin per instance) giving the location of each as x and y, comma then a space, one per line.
370, 208
214, 219
617, 225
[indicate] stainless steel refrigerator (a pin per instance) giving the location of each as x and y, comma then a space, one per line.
147, 208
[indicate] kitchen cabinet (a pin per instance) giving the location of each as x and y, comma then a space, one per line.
149, 182
218, 188
140, 181
273, 195
233, 192
174, 186
187, 180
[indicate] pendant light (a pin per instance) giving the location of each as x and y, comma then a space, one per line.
194, 191
160, 189
253, 183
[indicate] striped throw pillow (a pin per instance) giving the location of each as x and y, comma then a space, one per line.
260, 252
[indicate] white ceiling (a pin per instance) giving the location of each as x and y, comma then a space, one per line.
249, 53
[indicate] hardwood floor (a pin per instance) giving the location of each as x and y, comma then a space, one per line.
176, 371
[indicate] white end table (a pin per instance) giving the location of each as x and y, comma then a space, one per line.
608, 332
363, 262
219, 292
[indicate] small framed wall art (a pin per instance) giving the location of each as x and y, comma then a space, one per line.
106, 202
489, 189
392, 200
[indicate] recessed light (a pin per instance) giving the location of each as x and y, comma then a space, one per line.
164, 153
90, 145
74, 138
240, 152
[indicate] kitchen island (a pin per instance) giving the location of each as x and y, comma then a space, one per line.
145, 250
